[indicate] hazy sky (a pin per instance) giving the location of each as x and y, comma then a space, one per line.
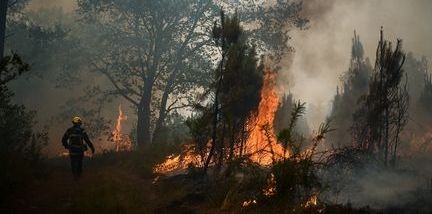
323, 51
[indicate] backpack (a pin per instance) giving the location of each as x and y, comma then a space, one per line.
76, 136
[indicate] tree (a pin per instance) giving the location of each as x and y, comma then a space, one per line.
295, 176
9, 11
3, 12
283, 114
238, 83
268, 24
48, 39
355, 84
157, 53
425, 98
150, 53
20, 145
383, 114
418, 87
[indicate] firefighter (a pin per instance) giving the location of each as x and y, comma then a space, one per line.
75, 139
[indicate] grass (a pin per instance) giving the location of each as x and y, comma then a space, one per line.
111, 183
123, 183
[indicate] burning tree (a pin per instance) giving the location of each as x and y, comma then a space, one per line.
380, 120
122, 142
239, 123
262, 146
236, 131
237, 90
157, 53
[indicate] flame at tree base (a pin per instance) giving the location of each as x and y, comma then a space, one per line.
121, 141
179, 162
261, 145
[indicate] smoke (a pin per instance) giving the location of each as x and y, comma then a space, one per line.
323, 51
381, 189
406, 188
66, 5
39, 89
323, 54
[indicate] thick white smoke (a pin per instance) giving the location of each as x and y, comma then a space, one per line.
323, 51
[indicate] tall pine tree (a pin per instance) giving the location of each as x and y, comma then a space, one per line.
238, 86
355, 84
383, 114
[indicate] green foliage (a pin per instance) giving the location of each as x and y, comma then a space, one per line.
238, 83
272, 21
296, 180
45, 40
154, 54
286, 136
200, 130
242, 82
175, 130
20, 145
283, 116
295, 176
11, 67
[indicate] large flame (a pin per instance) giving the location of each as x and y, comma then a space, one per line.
262, 143
121, 141
261, 146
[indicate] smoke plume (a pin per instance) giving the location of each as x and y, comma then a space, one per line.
323, 51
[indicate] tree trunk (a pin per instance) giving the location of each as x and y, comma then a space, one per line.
144, 115
164, 101
160, 121
3, 13
163, 107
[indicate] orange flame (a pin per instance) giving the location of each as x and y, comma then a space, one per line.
262, 142
270, 190
176, 163
248, 202
261, 146
122, 142
313, 201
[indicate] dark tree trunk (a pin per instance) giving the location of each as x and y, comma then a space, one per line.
214, 130
163, 107
163, 111
3, 12
144, 115
161, 119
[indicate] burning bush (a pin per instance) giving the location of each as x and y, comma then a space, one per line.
235, 135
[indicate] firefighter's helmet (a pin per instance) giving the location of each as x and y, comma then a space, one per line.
76, 120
